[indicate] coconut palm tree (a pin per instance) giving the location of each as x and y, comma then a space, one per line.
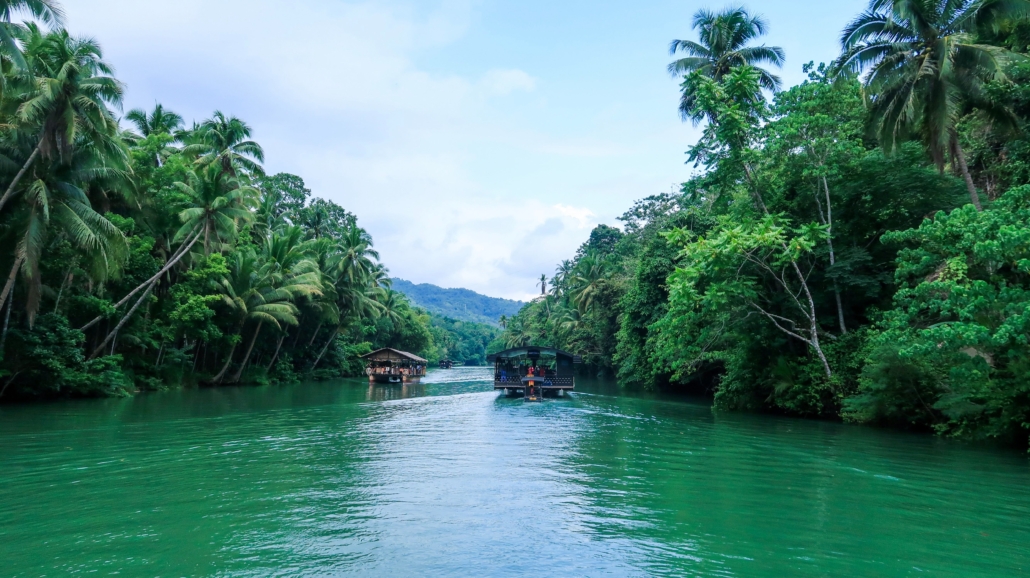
70, 90
723, 44
589, 277
924, 65
46, 11
223, 141
53, 205
217, 204
543, 284
255, 291
158, 121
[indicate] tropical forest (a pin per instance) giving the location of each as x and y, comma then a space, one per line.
141, 252
657, 289
855, 247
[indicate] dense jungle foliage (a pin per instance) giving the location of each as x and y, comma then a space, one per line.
147, 254
856, 246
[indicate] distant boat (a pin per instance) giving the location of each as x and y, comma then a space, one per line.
388, 365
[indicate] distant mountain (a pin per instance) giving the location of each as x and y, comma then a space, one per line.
460, 304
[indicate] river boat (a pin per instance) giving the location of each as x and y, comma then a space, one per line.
388, 365
534, 372
446, 364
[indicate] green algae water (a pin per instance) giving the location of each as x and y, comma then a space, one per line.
449, 479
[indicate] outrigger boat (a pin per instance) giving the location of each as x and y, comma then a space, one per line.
389, 365
534, 372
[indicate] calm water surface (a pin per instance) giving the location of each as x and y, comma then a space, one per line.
447, 478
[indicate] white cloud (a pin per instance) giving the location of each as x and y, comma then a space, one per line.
504, 82
465, 176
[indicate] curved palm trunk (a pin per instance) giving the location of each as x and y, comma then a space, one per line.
171, 263
21, 173
960, 159
246, 358
326, 347
7, 320
10, 280
275, 355
121, 323
228, 362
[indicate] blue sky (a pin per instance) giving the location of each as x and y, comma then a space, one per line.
478, 141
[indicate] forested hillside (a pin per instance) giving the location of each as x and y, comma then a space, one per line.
146, 252
462, 304
855, 247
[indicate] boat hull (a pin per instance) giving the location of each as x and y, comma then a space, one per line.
386, 379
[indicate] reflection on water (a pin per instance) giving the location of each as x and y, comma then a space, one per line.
386, 392
448, 477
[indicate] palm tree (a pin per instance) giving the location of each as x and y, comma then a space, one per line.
503, 321
54, 205
47, 11
224, 141
924, 65
254, 291
589, 277
159, 121
543, 285
218, 204
71, 89
723, 39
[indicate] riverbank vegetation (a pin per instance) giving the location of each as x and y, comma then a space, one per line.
856, 246
145, 253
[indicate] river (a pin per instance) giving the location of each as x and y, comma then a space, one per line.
449, 479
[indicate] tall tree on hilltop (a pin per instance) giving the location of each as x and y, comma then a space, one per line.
723, 39
925, 65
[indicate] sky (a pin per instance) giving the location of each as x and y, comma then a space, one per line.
478, 141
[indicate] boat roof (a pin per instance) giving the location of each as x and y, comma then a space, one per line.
390, 354
526, 351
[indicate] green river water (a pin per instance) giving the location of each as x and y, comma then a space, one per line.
449, 479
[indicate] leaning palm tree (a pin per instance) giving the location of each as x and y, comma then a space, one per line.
216, 204
723, 39
71, 90
254, 292
223, 141
53, 205
924, 65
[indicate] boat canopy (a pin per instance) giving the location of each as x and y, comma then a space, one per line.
390, 354
532, 353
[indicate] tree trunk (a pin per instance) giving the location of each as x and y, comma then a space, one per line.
7, 320
21, 173
276, 354
124, 320
246, 357
315, 334
960, 158
324, 349
10, 280
171, 263
67, 280
228, 362
833, 257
